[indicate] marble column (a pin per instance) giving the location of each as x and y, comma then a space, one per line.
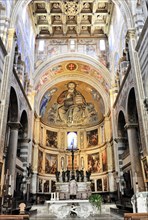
137, 77
138, 182
12, 150
35, 170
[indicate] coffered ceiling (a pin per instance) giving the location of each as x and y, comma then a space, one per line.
76, 18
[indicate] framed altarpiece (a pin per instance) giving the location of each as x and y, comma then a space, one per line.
145, 168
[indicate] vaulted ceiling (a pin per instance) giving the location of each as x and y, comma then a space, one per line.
76, 18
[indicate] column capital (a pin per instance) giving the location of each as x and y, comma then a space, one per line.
130, 125
14, 125
120, 139
11, 33
131, 33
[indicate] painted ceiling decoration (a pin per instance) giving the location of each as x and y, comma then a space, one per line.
74, 67
72, 103
64, 18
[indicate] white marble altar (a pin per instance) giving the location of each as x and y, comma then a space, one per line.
82, 208
61, 209
82, 191
140, 202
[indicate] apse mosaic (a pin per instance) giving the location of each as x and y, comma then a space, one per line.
71, 104
50, 163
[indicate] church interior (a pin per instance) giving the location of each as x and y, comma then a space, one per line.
73, 101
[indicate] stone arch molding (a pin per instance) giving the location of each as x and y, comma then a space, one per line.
40, 71
122, 4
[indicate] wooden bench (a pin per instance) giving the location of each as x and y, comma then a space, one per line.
135, 216
14, 217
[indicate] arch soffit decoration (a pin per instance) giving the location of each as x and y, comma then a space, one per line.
85, 59
122, 4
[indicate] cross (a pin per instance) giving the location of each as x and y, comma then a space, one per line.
72, 157
71, 66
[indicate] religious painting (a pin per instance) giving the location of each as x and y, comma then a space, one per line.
40, 160
50, 163
53, 186
91, 50
92, 138
94, 163
145, 168
46, 186
51, 139
104, 160
105, 181
99, 185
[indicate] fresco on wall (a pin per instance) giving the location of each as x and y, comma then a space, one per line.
104, 160
50, 163
40, 160
51, 139
94, 163
92, 138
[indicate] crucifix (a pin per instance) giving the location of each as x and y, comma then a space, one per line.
72, 150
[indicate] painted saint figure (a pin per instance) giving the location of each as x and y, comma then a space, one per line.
71, 105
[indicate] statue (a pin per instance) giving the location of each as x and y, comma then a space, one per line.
68, 175
63, 176
82, 175
88, 174
57, 173
77, 175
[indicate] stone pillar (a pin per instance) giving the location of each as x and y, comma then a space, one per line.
5, 86
138, 182
11, 159
35, 170
139, 91
119, 178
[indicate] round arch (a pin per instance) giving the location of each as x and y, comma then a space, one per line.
13, 111
132, 115
23, 132
122, 4
73, 57
121, 124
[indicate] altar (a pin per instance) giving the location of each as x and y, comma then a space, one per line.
64, 208
82, 190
